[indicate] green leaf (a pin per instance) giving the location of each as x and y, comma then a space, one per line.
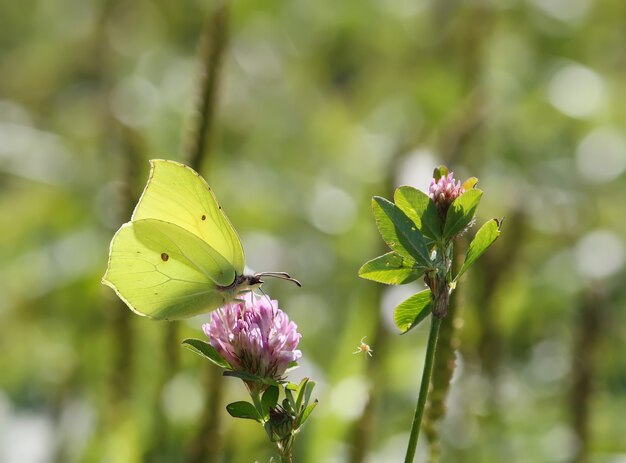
418, 206
300, 393
269, 399
413, 311
303, 393
243, 410
308, 390
399, 232
207, 351
487, 234
439, 172
461, 212
390, 269
289, 398
306, 413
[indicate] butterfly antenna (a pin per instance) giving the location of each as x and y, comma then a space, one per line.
280, 276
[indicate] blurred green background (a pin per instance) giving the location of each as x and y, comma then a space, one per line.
320, 105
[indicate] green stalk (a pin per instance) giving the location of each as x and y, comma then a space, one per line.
284, 451
443, 369
421, 401
286, 458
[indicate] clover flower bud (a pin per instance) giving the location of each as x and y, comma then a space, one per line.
444, 191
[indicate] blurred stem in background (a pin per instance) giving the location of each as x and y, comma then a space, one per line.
364, 427
207, 443
493, 268
211, 51
129, 143
121, 319
131, 156
588, 326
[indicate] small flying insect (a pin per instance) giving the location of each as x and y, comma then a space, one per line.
363, 348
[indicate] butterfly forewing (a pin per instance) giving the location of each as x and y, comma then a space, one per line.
176, 194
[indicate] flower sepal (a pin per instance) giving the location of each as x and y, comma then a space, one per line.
250, 378
206, 350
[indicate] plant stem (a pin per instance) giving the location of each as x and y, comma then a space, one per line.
589, 326
256, 400
286, 458
421, 401
212, 48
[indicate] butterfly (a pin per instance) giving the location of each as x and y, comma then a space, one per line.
179, 255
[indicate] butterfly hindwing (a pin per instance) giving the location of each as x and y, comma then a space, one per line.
163, 271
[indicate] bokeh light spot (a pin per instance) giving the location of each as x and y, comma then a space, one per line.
182, 399
349, 397
332, 210
601, 155
599, 254
577, 91
134, 101
564, 10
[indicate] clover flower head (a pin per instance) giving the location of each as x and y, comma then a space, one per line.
254, 336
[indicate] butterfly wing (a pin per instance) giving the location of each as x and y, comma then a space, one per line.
177, 194
163, 271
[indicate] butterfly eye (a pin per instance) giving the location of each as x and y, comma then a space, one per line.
164, 257
203, 217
